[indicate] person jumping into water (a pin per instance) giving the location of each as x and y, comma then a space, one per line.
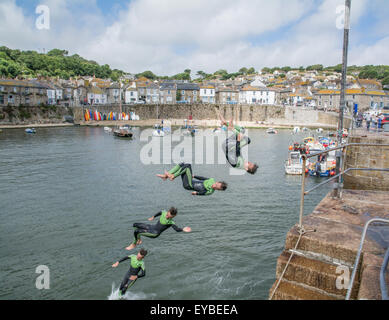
137, 265
153, 231
232, 146
199, 185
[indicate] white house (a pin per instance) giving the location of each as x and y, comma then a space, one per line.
51, 96
96, 96
254, 95
131, 95
207, 94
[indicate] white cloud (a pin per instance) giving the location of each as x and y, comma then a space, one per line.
172, 35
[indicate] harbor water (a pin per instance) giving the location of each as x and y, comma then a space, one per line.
69, 197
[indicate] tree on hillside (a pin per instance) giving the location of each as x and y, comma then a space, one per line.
251, 70
243, 70
147, 74
385, 81
316, 67
58, 53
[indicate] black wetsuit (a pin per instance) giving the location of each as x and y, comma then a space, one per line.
203, 186
135, 268
153, 231
232, 146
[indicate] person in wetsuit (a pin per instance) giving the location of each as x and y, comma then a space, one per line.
232, 146
199, 185
153, 231
137, 265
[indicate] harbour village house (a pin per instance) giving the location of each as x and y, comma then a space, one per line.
188, 93
365, 99
18, 92
168, 93
227, 95
207, 94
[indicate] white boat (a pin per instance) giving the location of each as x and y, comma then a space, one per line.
319, 130
107, 129
296, 130
30, 130
271, 131
294, 164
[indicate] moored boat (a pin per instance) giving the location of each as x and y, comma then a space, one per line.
121, 133
294, 164
271, 131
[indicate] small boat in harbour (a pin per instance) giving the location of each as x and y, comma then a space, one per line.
107, 129
294, 164
296, 130
122, 133
271, 131
30, 130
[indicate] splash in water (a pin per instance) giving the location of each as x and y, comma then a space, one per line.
128, 296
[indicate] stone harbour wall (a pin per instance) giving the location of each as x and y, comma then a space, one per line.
367, 157
266, 114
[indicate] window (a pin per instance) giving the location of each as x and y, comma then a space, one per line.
15, 89
194, 92
27, 100
1, 99
27, 90
11, 99
2, 89
183, 92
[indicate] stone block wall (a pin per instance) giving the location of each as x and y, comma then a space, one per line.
367, 157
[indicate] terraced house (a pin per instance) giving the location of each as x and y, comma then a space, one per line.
113, 95
152, 93
365, 99
96, 95
188, 93
207, 94
256, 95
18, 92
168, 93
227, 95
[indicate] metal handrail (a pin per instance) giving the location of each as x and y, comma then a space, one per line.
384, 288
340, 167
340, 164
360, 251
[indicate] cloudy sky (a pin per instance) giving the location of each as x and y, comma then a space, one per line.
168, 36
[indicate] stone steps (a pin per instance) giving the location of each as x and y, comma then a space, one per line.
290, 290
312, 272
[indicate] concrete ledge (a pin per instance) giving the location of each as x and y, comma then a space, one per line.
339, 224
